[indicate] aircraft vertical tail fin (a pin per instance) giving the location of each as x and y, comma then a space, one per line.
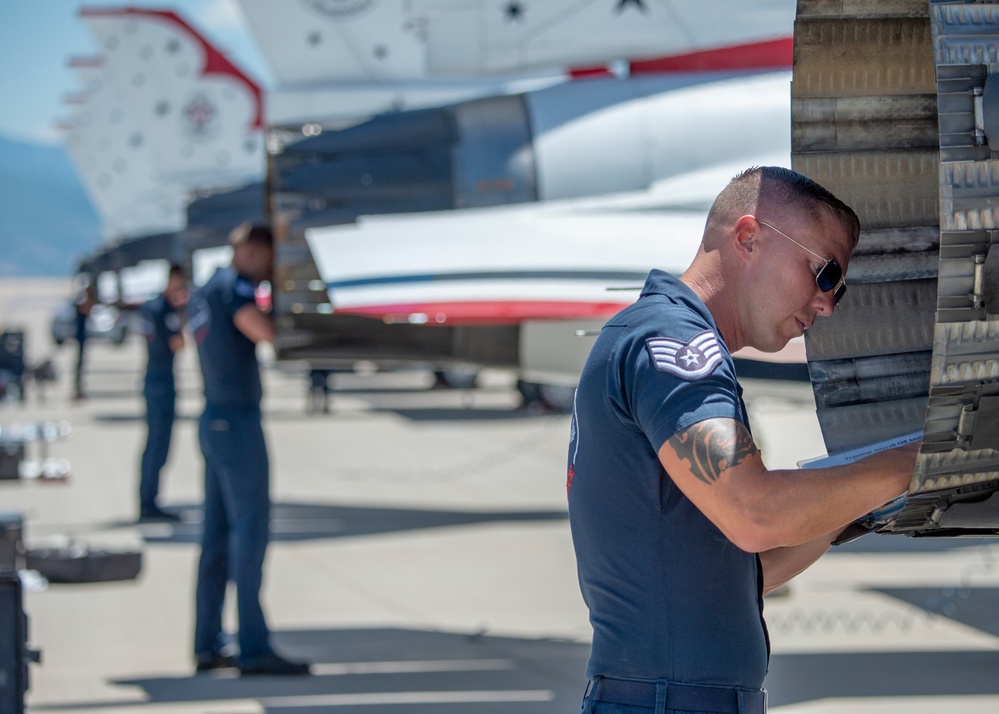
111, 154
203, 116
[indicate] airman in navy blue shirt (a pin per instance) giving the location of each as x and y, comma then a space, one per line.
678, 526
162, 328
83, 304
227, 325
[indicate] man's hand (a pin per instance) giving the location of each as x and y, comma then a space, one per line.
254, 324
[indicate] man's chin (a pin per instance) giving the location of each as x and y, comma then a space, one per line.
787, 351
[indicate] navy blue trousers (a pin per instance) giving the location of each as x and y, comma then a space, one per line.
236, 530
161, 402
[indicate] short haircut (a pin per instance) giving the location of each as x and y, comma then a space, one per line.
247, 233
775, 189
178, 270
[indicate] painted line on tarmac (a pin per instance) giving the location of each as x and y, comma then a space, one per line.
405, 667
384, 698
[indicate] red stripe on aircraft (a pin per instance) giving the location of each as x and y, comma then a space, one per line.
772, 54
589, 72
488, 312
215, 61
757, 55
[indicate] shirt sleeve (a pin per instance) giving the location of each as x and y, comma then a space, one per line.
242, 294
147, 324
675, 375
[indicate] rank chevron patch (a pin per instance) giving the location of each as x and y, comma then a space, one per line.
693, 359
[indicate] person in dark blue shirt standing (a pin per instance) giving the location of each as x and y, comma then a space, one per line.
678, 526
162, 326
83, 303
227, 325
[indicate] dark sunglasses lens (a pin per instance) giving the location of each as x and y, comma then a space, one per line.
829, 276
838, 295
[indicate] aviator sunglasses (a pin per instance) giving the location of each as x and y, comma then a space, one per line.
830, 275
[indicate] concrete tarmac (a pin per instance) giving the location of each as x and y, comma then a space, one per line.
421, 557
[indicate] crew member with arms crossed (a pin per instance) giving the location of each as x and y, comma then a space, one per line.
162, 327
227, 325
678, 526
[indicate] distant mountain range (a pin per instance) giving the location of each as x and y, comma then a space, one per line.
47, 219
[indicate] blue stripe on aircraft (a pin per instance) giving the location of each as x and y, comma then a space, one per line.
494, 275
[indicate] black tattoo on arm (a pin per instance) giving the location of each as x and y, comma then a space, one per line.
712, 446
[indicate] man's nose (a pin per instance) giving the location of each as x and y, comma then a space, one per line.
824, 302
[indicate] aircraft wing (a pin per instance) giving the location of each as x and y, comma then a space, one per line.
339, 61
315, 42
482, 38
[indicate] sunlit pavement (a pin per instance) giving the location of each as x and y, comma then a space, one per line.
421, 558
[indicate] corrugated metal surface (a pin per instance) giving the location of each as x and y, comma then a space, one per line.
892, 109
864, 125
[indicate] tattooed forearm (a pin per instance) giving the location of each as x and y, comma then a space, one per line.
713, 446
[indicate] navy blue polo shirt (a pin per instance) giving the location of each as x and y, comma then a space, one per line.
160, 323
670, 597
228, 358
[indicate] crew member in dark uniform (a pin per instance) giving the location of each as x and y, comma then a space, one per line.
161, 324
227, 324
83, 303
679, 528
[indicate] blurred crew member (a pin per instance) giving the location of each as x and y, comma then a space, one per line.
83, 303
162, 326
227, 325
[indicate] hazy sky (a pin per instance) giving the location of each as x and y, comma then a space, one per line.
37, 37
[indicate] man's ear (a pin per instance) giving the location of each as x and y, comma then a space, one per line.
745, 235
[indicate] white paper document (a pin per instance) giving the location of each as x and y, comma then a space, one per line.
848, 456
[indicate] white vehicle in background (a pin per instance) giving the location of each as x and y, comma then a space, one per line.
105, 322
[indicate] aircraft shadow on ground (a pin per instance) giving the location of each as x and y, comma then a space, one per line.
429, 414
301, 522
98, 370
976, 607
806, 677
415, 414
124, 392
377, 670
128, 417
377, 402
380, 669
450, 405
473, 413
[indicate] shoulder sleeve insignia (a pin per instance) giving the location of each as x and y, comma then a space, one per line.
696, 358
172, 321
244, 288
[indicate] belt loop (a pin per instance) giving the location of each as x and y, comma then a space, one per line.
754, 702
662, 687
591, 684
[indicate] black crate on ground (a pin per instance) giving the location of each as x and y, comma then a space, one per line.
81, 564
11, 541
11, 456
